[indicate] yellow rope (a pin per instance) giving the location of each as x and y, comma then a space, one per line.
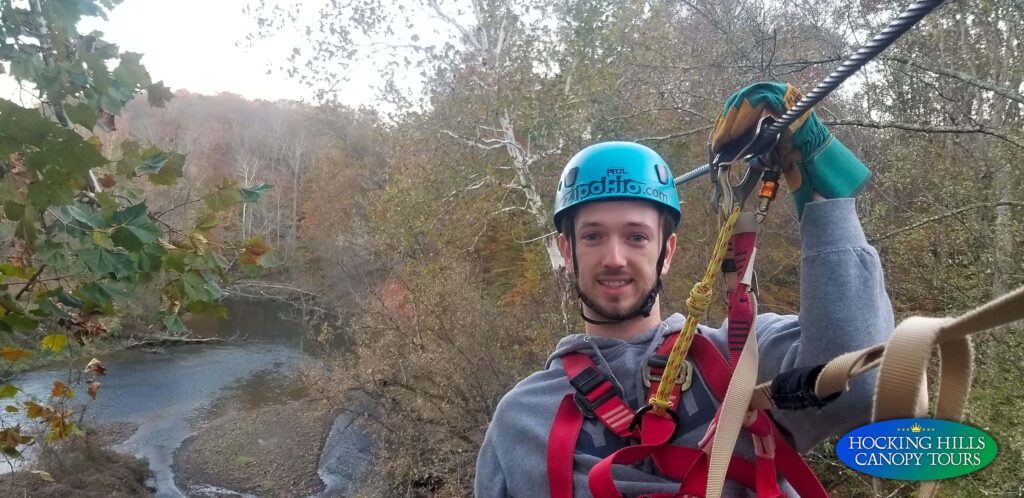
696, 306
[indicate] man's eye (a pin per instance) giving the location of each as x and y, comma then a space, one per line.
639, 237
590, 237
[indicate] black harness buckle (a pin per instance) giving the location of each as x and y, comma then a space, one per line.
586, 382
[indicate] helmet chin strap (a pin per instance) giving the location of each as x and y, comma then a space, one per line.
644, 310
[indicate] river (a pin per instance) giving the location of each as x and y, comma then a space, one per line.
168, 395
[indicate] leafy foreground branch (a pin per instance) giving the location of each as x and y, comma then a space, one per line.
78, 238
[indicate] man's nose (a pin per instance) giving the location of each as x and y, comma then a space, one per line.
615, 256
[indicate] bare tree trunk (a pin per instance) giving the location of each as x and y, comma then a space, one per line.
1002, 178
522, 160
277, 239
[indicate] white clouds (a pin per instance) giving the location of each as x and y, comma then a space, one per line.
194, 45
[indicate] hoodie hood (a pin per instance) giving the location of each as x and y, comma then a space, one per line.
603, 347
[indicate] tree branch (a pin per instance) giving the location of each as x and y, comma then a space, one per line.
31, 282
943, 216
966, 78
928, 129
474, 143
674, 135
158, 214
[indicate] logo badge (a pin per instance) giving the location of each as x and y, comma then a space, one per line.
916, 449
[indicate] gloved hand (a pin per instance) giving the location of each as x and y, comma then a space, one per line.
812, 159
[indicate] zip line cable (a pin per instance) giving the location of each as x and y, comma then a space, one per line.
897, 28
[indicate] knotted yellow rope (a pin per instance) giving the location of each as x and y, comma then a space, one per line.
696, 306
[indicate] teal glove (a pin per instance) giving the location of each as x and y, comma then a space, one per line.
812, 159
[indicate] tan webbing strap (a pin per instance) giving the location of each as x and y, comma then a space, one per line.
734, 410
952, 336
836, 375
901, 390
834, 378
904, 369
954, 351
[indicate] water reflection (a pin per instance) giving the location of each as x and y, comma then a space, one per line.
165, 394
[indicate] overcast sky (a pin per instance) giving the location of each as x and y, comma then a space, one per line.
191, 44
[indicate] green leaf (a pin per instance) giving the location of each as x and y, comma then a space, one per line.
52, 253
173, 324
151, 259
96, 297
102, 239
220, 260
206, 222
54, 342
170, 172
106, 262
97, 66
175, 260
108, 205
68, 300
130, 214
57, 154
10, 270
20, 322
200, 287
131, 156
47, 309
8, 391
223, 199
82, 114
152, 164
111, 103
78, 77
130, 72
27, 230
252, 194
84, 215
158, 95
132, 238
136, 230
13, 210
26, 66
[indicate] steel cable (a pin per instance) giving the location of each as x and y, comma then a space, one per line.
897, 28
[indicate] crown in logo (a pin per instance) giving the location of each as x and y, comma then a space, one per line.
916, 428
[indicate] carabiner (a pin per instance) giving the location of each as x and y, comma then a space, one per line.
725, 195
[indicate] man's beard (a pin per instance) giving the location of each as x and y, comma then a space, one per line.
612, 315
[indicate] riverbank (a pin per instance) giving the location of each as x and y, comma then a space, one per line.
85, 468
268, 451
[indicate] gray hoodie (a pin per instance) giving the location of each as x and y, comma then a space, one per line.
843, 307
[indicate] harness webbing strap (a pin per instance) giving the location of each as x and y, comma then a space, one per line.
562, 447
599, 394
742, 347
741, 307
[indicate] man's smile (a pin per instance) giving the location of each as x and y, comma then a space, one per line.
614, 282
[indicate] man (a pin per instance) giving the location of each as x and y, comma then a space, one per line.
616, 209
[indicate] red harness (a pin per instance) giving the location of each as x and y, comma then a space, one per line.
599, 397
687, 465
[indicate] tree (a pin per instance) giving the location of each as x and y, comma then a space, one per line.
77, 229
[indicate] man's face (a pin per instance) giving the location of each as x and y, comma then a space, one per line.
617, 247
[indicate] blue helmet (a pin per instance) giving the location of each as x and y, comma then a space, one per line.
616, 171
